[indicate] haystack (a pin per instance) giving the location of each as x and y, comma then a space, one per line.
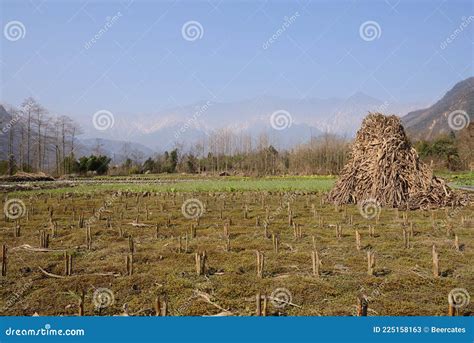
384, 166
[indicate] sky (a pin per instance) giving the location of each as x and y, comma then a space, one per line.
129, 57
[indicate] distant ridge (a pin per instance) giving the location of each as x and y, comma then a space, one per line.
433, 121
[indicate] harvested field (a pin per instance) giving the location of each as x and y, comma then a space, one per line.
141, 246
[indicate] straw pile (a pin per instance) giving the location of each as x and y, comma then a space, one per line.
384, 167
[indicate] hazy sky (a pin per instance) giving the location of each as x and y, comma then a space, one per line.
142, 61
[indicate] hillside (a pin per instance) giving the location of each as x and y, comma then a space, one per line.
430, 122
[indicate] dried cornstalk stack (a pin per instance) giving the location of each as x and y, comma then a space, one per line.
383, 166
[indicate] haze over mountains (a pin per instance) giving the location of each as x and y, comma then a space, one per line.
144, 135
309, 118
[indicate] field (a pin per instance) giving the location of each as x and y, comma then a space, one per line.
110, 248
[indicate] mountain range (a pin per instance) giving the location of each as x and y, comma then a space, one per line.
305, 118
308, 117
434, 120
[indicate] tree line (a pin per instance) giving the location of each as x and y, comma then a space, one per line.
38, 141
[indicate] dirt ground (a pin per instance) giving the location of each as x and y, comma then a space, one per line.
402, 282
